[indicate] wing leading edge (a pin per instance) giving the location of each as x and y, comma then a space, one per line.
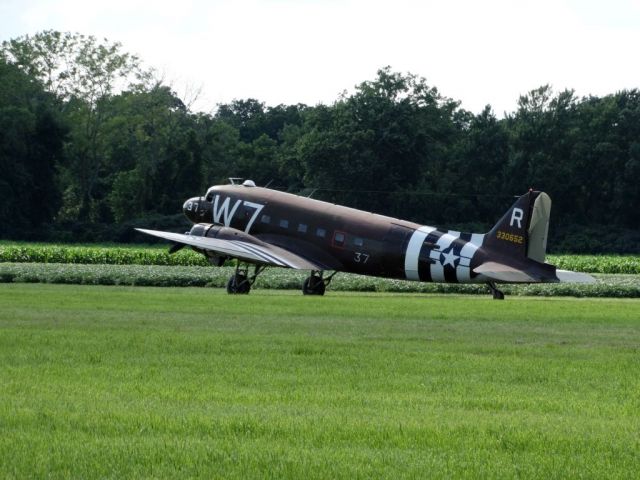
254, 252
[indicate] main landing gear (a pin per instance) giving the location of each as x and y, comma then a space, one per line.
497, 294
240, 282
316, 283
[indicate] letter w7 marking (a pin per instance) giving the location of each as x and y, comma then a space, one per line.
258, 208
222, 210
219, 210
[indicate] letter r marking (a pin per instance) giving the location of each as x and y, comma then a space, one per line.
516, 216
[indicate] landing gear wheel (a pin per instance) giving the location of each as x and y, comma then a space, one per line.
497, 294
238, 284
313, 285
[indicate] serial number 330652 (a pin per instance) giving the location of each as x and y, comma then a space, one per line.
509, 237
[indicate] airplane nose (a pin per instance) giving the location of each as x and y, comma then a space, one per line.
193, 208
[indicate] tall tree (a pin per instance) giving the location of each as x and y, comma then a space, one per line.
543, 135
153, 158
72, 65
31, 141
390, 135
247, 116
83, 72
478, 168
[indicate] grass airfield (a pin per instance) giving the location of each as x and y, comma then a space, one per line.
116, 382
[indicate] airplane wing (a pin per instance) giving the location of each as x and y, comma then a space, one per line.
258, 252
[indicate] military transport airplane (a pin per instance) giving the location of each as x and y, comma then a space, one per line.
263, 227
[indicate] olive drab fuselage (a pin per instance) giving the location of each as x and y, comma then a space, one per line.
340, 238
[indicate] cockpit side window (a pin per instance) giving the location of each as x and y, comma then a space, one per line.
209, 196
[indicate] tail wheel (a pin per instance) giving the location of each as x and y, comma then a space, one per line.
497, 294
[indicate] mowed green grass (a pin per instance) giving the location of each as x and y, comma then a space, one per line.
117, 382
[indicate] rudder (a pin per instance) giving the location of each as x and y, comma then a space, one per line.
538, 229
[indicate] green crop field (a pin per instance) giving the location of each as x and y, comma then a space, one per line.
142, 382
157, 254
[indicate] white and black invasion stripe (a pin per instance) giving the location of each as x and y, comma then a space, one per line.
413, 252
467, 252
425, 261
441, 256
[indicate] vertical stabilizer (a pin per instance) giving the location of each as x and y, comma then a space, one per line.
510, 236
523, 230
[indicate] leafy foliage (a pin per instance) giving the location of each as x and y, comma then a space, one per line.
103, 143
31, 145
140, 255
72, 65
146, 255
597, 263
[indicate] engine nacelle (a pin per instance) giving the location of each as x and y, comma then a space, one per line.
218, 231
223, 233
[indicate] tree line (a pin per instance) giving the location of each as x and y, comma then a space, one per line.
92, 144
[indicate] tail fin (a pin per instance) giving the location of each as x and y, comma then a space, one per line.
518, 242
522, 231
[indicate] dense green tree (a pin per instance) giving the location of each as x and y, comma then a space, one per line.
389, 136
84, 73
253, 119
247, 116
290, 175
543, 134
31, 140
612, 156
152, 156
88, 140
71, 65
221, 146
478, 169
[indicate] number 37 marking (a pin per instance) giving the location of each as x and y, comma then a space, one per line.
361, 257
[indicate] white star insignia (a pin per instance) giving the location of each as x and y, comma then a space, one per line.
449, 258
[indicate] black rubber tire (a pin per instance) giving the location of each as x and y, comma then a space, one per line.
313, 286
238, 285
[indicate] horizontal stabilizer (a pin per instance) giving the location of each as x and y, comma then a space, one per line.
574, 277
503, 273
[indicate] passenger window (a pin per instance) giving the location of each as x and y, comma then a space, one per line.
284, 223
302, 228
338, 239
265, 219
358, 242
321, 232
